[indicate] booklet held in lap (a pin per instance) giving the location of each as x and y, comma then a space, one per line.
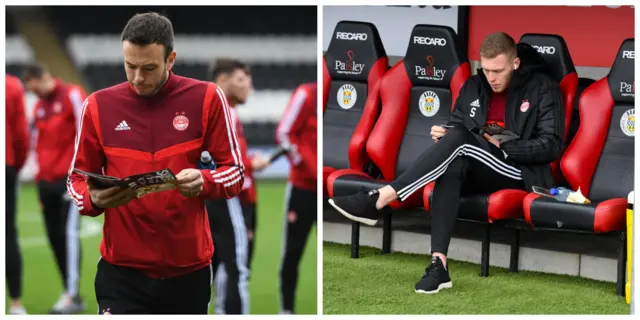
142, 184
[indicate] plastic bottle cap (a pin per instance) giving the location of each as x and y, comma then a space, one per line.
205, 157
554, 191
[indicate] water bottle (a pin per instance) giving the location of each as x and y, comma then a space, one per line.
560, 193
206, 162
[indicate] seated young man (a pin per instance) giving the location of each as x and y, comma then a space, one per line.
513, 91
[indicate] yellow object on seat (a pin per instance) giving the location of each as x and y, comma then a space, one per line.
629, 245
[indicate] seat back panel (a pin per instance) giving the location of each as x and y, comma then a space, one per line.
417, 94
613, 177
351, 68
428, 106
345, 104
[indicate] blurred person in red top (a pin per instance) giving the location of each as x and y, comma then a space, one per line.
233, 233
156, 250
17, 147
56, 119
297, 132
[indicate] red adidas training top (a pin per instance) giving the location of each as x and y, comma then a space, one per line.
16, 126
56, 118
298, 129
162, 234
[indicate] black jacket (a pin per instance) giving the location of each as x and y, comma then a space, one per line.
540, 127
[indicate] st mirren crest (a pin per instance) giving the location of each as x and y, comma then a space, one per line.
628, 122
429, 103
347, 96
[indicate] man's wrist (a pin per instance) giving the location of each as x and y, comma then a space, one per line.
205, 182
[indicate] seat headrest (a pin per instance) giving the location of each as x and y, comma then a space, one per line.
621, 81
555, 52
432, 55
353, 50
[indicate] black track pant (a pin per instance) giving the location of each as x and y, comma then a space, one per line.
230, 256
123, 290
461, 162
300, 215
250, 219
14, 259
62, 221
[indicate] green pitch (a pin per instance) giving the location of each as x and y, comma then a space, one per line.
384, 284
42, 284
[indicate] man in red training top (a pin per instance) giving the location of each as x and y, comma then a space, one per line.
297, 132
232, 221
156, 250
17, 147
56, 119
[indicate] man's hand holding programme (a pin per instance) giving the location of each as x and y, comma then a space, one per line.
190, 182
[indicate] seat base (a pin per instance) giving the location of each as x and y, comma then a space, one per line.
598, 217
500, 205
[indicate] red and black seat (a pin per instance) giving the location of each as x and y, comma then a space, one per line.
600, 159
417, 93
507, 204
353, 66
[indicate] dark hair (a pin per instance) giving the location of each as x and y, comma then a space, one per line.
34, 71
225, 66
496, 44
148, 28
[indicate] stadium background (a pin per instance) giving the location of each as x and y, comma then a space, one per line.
593, 35
82, 45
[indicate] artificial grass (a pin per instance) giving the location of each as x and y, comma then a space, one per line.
384, 284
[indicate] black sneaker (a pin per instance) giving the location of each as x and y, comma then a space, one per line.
435, 277
360, 207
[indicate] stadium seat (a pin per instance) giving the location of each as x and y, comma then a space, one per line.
600, 159
354, 63
507, 204
417, 93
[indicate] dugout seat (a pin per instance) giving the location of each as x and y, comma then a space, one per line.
352, 68
600, 159
507, 203
417, 93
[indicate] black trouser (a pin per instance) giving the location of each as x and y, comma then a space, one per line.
461, 163
62, 221
250, 219
300, 214
229, 260
14, 259
123, 290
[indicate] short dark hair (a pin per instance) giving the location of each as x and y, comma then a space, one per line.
148, 28
34, 71
496, 44
225, 66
